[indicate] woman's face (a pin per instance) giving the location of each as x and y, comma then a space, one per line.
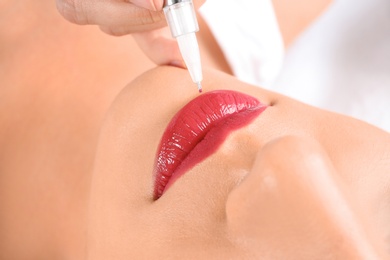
294, 182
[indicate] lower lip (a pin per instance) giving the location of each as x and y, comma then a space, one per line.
198, 130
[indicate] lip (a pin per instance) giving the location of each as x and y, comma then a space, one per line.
197, 131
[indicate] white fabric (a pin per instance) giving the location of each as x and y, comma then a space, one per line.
249, 36
342, 62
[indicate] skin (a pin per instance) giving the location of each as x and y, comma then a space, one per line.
294, 17
144, 19
298, 182
58, 82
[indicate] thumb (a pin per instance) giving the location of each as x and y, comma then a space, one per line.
160, 47
153, 5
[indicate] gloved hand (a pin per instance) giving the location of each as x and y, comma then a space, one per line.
144, 19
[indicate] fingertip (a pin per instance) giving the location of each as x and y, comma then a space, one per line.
160, 47
158, 4
72, 11
108, 30
178, 63
153, 5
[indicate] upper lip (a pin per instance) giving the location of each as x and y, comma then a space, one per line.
202, 124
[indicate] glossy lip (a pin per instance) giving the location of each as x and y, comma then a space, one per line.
197, 131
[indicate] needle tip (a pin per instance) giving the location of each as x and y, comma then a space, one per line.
199, 87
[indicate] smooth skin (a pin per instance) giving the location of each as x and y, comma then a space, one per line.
58, 82
144, 19
297, 183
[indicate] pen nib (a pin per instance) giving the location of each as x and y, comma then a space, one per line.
199, 87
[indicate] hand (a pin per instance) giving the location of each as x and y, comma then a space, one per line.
144, 19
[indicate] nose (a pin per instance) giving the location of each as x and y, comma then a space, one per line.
293, 205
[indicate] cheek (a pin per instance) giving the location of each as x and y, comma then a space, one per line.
121, 186
292, 201
124, 220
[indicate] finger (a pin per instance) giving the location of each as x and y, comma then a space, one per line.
160, 47
153, 5
111, 14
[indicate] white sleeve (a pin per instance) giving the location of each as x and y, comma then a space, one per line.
249, 36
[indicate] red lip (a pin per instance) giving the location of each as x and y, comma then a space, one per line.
197, 131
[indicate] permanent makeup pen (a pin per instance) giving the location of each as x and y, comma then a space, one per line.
181, 18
